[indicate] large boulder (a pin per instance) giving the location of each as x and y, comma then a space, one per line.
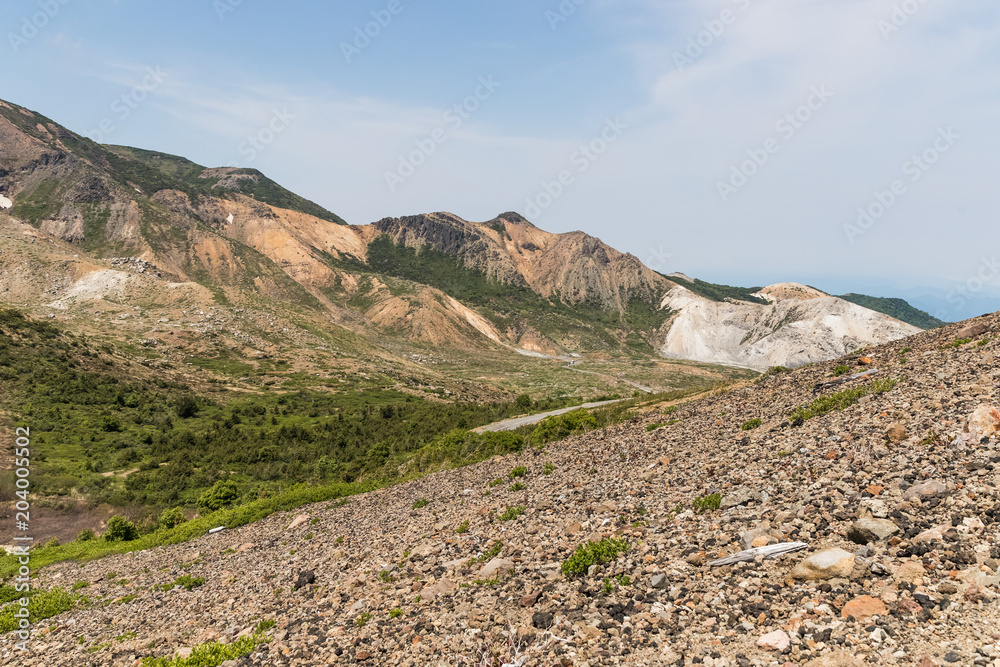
868, 529
826, 564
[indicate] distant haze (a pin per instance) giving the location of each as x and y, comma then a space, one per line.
846, 144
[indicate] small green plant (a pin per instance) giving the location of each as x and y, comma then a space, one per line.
549, 468
362, 619
497, 482
125, 599
395, 613
463, 528
608, 586
339, 540
85, 535
80, 584
653, 427
708, 503
309, 536
750, 424
187, 582
906, 350
422, 502
670, 409
386, 577
212, 653
314, 521
519, 471
490, 553
266, 625
486, 582
841, 370
843, 399
593, 553
512, 513
517, 486
343, 502
125, 637
982, 342
961, 341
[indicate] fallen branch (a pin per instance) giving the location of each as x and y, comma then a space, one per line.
839, 381
769, 551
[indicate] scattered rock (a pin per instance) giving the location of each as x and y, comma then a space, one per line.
863, 606
867, 529
775, 641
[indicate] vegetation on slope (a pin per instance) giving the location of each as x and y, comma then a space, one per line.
714, 292
897, 308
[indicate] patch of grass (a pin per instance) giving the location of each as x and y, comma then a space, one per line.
653, 427
519, 471
594, 553
517, 486
41, 605
463, 528
708, 503
187, 582
362, 619
512, 513
211, 654
750, 424
497, 482
395, 613
420, 503
843, 399
961, 341
549, 468
841, 370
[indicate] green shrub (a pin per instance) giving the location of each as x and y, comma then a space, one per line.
187, 582
85, 535
212, 653
517, 486
841, 370
549, 468
708, 503
463, 528
171, 518
593, 553
490, 553
653, 427
421, 502
751, 424
563, 426
497, 482
395, 613
519, 471
120, 530
222, 494
512, 513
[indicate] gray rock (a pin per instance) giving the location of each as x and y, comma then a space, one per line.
659, 581
826, 564
868, 529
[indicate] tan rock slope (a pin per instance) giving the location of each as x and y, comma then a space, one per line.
896, 497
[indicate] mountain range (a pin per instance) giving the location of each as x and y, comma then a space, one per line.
116, 227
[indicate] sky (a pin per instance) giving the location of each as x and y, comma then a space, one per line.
847, 144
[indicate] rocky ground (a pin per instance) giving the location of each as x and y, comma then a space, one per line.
895, 498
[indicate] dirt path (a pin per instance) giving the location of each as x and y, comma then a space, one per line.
517, 422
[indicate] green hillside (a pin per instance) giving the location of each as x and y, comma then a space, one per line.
897, 308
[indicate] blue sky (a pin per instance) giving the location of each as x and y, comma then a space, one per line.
735, 140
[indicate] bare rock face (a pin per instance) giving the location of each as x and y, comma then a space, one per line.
789, 332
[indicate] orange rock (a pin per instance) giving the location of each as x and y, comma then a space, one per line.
864, 606
865, 361
875, 490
